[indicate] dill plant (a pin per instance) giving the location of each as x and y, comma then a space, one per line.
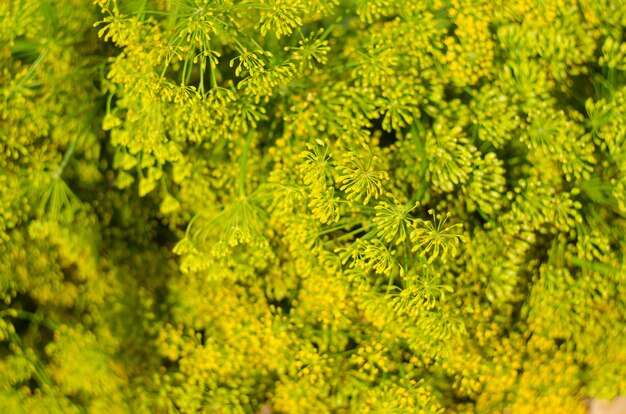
312, 206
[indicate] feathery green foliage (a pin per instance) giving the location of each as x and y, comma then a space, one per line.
312, 206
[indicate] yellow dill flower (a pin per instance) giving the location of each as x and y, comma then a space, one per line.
434, 238
359, 179
325, 206
316, 168
393, 221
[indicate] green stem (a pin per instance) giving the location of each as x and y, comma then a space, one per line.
595, 266
33, 317
421, 190
212, 79
202, 70
611, 77
334, 228
243, 163
142, 11
390, 284
109, 100
165, 65
184, 74
352, 233
190, 70
66, 158
31, 69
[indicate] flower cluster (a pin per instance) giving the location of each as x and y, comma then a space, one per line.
264, 206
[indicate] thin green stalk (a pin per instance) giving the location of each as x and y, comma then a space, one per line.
33, 317
202, 70
243, 163
417, 125
334, 228
66, 158
352, 233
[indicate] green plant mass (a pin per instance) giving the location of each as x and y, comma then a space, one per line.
312, 206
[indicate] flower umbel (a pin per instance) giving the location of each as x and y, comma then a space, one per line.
393, 221
436, 239
360, 180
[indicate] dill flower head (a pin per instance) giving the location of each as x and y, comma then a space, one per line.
359, 179
393, 221
434, 238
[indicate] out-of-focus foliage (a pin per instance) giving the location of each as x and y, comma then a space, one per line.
312, 206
